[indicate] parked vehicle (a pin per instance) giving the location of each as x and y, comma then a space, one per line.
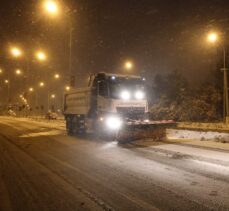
51, 115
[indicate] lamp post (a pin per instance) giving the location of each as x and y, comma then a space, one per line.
213, 38
7, 82
52, 8
19, 74
224, 69
33, 102
16, 52
52, 97
41, 85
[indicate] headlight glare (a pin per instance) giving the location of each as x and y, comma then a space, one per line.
113, 122
139, 95
125, 95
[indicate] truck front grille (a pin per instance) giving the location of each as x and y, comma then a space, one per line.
131, 110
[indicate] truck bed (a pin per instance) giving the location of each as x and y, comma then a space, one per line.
77, 101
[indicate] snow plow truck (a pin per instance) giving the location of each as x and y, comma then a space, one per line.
113, 106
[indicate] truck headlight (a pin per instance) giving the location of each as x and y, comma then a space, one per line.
139, 95
113, 122
125, 95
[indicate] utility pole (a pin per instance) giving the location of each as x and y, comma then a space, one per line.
8, 92
225, 92
48, 105
71, 29
70, 50
8, 89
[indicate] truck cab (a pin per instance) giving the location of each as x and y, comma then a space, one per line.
119, 94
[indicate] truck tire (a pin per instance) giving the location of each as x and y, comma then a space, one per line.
69, 126
78, 125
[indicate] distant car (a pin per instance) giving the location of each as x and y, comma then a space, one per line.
51, 115
11, 113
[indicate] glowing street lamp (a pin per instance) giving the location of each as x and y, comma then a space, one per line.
53, 96
41, 56
56, 76
51, 7
212, 37
41, 84
16, 52
31, 89
67, 88
18, 72
128, 65
6, 81
1, 71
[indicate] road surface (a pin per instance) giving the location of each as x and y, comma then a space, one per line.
43, 169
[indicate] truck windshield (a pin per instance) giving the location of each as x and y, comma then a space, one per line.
118, 85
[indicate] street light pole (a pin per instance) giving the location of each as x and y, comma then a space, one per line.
226, 118
36, 103
213, 38
52, 8
8, 81
8, 93
71, 30
70, 54
48, 101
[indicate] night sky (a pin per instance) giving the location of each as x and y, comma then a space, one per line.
158, 36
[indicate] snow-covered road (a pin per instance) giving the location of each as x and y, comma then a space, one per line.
43, 169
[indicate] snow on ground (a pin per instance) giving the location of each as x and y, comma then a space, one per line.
54, 124
204, 153
39, 134
197, 135
208, 139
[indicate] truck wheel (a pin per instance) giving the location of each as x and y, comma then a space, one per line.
69, 127
78, 125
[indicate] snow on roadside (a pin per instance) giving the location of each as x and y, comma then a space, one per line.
42, 122
202, 131
197, 152
54, 124
198, 135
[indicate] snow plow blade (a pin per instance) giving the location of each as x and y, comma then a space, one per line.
136, 130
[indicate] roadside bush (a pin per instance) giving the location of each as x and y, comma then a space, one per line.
177, 101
